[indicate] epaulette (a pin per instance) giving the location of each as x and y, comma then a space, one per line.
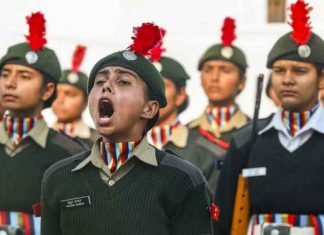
72, 145
172, 160
60, 164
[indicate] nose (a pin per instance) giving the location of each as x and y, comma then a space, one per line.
59, 98
107, 87
215, 75
10, 82
288, 79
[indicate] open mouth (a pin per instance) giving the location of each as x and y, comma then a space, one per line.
105, 107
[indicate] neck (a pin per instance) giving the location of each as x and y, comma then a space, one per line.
219, 116
69, 121
116, 154
25, 113
301, 108
127, 136
168, 120
221, 103
295, 121
17, 128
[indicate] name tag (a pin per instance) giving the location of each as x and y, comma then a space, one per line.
254, 172
76, 202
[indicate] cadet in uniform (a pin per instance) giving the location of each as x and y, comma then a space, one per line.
285, 164
223, 67
168, 131
124, 185
72, 100
29, 73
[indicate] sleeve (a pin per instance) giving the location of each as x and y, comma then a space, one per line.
191, 215
50, 220
235, 160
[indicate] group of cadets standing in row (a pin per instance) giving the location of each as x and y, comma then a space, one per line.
118, 183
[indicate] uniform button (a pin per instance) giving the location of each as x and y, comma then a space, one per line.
218, 135
111, 182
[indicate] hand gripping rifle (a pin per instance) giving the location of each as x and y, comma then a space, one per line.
241, 212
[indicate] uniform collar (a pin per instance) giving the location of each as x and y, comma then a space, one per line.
81, 129
314, 123
238, 120
179, 137
143, 152
38, 134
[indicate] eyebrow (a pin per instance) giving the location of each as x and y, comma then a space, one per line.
107, 73
19, 71
207, 66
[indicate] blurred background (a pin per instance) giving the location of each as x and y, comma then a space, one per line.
105, 26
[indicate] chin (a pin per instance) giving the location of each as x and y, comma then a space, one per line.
104, 131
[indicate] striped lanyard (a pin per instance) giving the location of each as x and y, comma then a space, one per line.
115, 154
295, 121
219, 116
159, 135
66, 128
28, 222
18, 128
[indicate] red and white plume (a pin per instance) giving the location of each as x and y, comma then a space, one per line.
37, 31
146, 37
77, 58
228, 32
300, 22
156, 52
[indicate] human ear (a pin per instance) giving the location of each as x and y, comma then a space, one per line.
48, 91
181, 96
150, 109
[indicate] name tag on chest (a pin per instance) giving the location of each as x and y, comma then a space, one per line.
75, 202
254, 172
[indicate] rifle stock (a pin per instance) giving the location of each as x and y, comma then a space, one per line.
241, 211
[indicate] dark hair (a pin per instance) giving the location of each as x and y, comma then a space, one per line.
46, 80
268, 86
319, 69
185, 104
242, 73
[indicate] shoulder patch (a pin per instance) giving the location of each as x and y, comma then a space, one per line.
65, 162
172, 160
243, 135
65, 142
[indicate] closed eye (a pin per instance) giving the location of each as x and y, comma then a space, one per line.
4, 73
123, 82
99, 82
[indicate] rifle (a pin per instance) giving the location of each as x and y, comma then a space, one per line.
241, 212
